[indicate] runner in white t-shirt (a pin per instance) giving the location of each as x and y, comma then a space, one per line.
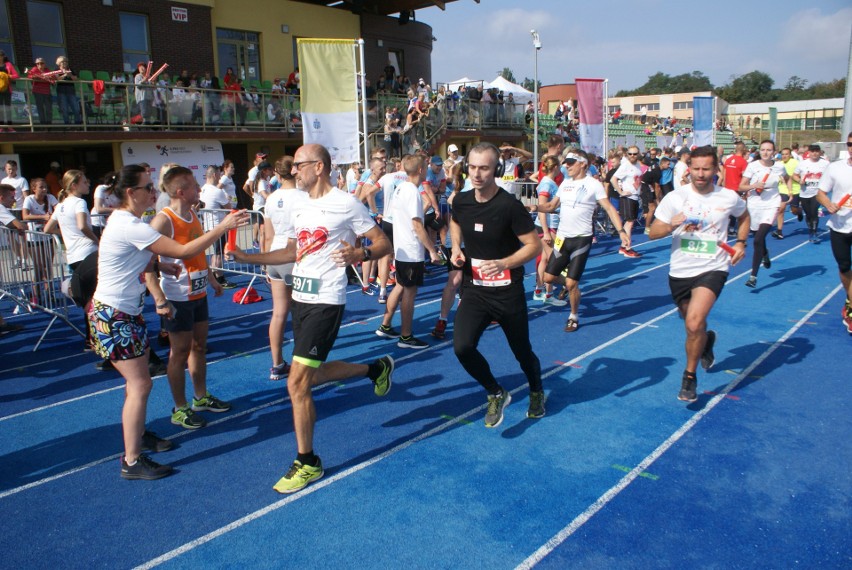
410, 239
761, 179
226, 182
627, 181
115, 317
696, 215
325, 224
215, 198
71, 215
104, 202
835, 186
808, 173
578, 197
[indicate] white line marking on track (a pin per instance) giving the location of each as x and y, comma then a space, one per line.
613, 492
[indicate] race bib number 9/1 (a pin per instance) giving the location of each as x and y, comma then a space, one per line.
306, 288
695, 245
501, 279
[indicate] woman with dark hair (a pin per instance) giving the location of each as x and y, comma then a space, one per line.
105, 202
8, 68
118, 329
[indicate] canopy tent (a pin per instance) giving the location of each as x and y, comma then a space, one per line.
465, 82
519, 94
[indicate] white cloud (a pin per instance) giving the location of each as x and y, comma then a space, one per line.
503, 23
811, 32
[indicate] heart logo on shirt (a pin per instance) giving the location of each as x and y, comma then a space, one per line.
310, 240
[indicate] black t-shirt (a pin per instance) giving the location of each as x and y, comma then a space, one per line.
650, 177
491, 229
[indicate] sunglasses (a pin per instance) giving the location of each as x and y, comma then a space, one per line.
149, 187
632, 154
849, 143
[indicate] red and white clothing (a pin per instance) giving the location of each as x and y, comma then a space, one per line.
191, 283
630, 176
735, 166
810, 172
836, 181
763, 207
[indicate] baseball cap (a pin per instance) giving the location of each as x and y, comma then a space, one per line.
437, 160
452, 148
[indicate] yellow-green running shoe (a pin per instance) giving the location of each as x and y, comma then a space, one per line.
298, 477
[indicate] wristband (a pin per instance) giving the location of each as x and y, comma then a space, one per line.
163, 306
368, 255
742, 241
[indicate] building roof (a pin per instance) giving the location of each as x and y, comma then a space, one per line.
381, 7
785, 106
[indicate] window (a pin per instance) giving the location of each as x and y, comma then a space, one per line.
396, 58
134, 40
46, 31
240, 51
649, 106
613, 108
6, 32
681, 105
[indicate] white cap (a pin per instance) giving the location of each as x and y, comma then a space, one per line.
452, 148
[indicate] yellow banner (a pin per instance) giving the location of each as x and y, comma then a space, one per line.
327, 73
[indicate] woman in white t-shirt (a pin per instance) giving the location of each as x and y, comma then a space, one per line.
226, 182
104, 203
71, 215
260, 189
119, 334
38, 207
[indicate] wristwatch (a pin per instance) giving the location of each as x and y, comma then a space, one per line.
368, 255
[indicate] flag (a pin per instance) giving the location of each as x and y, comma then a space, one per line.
773, 122
329, 97
702, 123
590, 101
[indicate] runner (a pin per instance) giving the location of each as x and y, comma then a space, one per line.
697, 217
499, 238
835, 185
760, 181
324, 223
182, 300
789, 194
577, 199
627, 181
808, 173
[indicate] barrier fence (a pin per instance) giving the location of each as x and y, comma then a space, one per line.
246, 237
32, 273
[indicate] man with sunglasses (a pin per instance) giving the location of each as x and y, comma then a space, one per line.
324, 222
835, 185
627, 181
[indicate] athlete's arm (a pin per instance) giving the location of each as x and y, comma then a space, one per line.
743, 226
825, 201
170, 248
277, 257
423, 236
457, 257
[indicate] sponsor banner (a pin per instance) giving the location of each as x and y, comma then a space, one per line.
590, 101
195, 155
702, 124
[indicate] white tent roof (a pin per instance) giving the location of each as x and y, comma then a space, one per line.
519, 94
465, 81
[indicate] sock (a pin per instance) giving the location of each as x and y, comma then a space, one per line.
383, 290
574, 316
131, 464
689, 374
307, 458
374, 369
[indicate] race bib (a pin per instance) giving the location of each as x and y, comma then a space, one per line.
698, 245
197, 282
306, 288
557, 243
500, 280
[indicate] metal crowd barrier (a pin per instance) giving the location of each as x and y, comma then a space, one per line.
245, 241
33, 281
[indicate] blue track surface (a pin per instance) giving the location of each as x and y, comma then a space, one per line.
619, 472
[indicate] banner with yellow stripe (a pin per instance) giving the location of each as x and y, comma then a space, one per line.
329, 96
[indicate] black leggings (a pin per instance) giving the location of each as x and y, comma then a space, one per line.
509, 308
811, 209
759, 247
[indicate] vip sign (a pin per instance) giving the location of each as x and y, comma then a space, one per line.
180, 14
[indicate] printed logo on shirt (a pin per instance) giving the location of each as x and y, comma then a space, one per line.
310, 240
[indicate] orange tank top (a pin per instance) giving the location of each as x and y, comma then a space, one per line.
191, 283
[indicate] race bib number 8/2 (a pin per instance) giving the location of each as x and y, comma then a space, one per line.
694, 245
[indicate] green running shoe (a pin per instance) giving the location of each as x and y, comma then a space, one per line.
298, 477
210, 403
496, 405
186, 418
382, 384
536, 408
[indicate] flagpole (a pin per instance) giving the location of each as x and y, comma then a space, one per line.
363, 76
713, 124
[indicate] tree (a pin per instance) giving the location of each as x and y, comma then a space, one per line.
751, 87
661, 83
529, 84
796, 83
507, 75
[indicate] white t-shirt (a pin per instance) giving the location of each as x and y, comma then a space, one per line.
260, 192
230, 189
630, 176
108, 200
836, 181
507, 181
407, 205
389, 182
695, 243
279, 206
351, 180
20, 184
122, 261
577, 202
214, 198
77, 245
252, 173
6, 217
319, 225
770, 197
31, 204
811, 173
678, 173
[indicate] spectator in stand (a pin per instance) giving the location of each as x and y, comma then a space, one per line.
41, 91
144, 96
229, 77
69, 104
8, 68
294, 81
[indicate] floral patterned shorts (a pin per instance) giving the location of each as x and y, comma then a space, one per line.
117, 335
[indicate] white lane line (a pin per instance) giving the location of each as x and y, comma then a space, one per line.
613, 492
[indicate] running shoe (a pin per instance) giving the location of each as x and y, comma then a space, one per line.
210, 403
687, 388
227, 284
153, 442
104, 366
10, 327
157, 369
847, 318
367, 290
383, 382
538, 295
411, 341
383, 298
572, 325
298, 477
496, 404
536, 407
144, 468
815, 239
752, 282
629, 253
440, 329
778, 234
255, 244
800, 215
767, 263
707, 357
279, 372
385, 331
554, 301
187, 419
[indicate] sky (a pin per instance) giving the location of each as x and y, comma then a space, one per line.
626, 42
